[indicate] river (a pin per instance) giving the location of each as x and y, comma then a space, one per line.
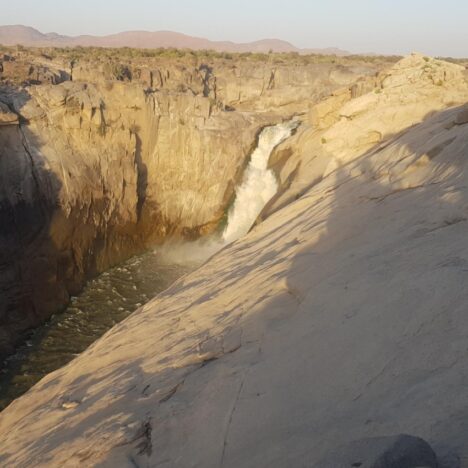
115, 294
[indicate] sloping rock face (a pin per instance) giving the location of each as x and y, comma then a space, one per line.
95, 176
352, 121
341, 317
99, 168
401, 451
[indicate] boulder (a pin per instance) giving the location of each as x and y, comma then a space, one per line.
401, 451
462, 117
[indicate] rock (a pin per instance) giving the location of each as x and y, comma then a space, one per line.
368, 139
111, 167
6, 116
462, 117
417, 68
31, 110
56, 95
402, 451
341, 316
24, 72
401, 96
364, 86
70, 404
325, 114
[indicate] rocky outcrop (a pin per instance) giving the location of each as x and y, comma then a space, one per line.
237, 84
122, 157
340, 318
347, 124
23, 70
327, 112
6, 116
95, 175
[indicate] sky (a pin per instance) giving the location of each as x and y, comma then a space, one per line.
433, 27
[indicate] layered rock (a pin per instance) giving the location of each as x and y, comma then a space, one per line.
238, 84
122, 157
349, 123
336, 323
96, 175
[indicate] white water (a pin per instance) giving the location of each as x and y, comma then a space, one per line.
259, 184
113, 295
257, 188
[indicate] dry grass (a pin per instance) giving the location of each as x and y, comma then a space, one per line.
75, 54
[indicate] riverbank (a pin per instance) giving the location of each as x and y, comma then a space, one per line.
114, 295
338, 319
104, 156
104, 302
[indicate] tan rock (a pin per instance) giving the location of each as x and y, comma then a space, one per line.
326, 113
110, 162
408, 97
6, 116
294, 344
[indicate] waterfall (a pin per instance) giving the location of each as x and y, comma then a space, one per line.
258, 186
259, 183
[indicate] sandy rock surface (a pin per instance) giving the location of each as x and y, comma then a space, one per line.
340, 318
100, 160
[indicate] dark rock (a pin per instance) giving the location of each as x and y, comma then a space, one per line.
402, 451
462, 117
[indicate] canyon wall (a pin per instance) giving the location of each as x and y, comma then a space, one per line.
355, 119
100, 160
331, 328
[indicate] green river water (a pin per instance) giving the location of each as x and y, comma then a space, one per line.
105, 301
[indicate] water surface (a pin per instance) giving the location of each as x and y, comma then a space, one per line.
104, 302
113, 296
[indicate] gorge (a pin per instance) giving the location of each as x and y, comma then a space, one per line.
334, 327
100, 161
112, 296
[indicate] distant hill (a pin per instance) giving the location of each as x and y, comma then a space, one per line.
27, 36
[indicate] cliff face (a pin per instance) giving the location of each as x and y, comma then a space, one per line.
355, 119
342, 316
98, 168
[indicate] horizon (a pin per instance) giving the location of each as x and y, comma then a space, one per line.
389, 28
233, 235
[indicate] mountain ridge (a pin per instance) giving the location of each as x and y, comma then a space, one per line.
29, 36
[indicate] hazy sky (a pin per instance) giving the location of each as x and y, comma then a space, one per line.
388, 26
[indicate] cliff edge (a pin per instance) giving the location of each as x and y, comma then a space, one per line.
341, 317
